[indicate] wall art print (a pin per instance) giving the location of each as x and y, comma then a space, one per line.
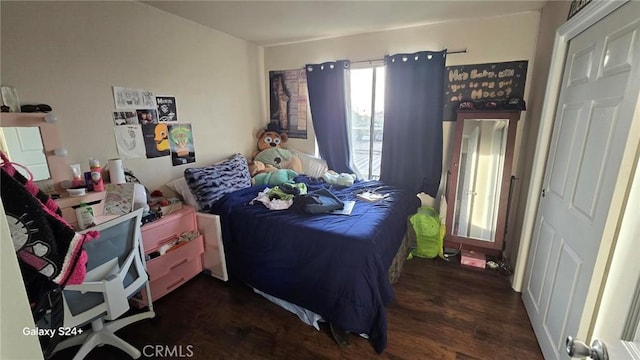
288, 101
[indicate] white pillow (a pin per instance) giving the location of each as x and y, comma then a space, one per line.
311, 165
180, 187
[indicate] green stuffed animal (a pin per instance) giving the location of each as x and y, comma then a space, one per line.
344, 179
280, 158
277, 177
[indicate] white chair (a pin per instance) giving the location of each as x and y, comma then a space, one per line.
115, 272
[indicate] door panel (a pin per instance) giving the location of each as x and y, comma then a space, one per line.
591, 128
561, 151
542, 258
595, 148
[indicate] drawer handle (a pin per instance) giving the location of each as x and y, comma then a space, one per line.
175, 284
178, 264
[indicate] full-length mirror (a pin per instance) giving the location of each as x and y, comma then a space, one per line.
479, 178
24, 146
481, 164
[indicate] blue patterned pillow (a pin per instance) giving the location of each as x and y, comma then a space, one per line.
210, 183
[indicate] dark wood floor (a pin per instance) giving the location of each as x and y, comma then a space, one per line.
441, 311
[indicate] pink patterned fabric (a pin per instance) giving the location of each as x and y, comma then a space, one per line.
42, 238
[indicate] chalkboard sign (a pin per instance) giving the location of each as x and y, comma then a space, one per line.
482, 82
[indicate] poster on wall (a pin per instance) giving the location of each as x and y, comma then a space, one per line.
181, 144
167, 110
156, 140
128, 98
147, 116
129, 141
482, 82
125, 118
288, 101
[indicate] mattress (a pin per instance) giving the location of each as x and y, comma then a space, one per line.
333, 265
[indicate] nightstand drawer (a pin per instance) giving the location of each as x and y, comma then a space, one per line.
167, 229
181, 273
172, 261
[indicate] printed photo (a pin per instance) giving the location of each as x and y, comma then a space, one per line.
125, 118
147, 116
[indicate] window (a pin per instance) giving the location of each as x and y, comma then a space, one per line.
366, 119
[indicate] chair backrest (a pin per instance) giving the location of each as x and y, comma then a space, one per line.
115, 272
119, 238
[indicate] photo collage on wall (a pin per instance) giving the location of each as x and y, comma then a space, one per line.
146, 125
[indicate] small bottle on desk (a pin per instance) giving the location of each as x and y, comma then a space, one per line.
96, 175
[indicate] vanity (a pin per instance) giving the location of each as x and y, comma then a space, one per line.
32, 140
479, 181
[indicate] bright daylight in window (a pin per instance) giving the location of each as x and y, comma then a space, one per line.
367, 98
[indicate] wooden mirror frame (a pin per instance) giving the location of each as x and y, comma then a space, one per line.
58, 168
455, 241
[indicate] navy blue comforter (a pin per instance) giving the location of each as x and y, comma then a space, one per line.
333, 265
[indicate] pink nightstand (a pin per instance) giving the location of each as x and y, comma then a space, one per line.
175, 267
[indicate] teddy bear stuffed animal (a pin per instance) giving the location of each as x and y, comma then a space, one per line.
258, 167
270, 138
279, 158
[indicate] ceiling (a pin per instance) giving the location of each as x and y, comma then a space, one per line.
269, 23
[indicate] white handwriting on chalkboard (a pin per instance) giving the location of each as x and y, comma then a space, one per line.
486, 89
484, 94
482, 74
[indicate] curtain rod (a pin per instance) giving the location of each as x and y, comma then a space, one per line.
372, 60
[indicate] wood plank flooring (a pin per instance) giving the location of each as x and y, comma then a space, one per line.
441, 311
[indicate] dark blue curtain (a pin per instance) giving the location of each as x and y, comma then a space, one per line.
326, 86
412, 142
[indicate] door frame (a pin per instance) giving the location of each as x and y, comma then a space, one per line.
587, 17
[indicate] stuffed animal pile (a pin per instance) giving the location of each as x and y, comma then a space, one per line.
272, 164
271, 152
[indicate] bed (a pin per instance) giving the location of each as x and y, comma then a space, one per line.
333, 266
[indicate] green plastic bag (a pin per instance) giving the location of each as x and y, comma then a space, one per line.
429, 233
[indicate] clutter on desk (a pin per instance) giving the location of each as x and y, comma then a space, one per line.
161, 205
119, 199
77, 180
96, 175
85, 215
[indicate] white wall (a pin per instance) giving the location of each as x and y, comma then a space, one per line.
70, 54
15, 314
554, 14
498, 39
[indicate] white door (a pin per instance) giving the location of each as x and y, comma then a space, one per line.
593, 117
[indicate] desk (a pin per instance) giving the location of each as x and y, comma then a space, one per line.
66, 204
